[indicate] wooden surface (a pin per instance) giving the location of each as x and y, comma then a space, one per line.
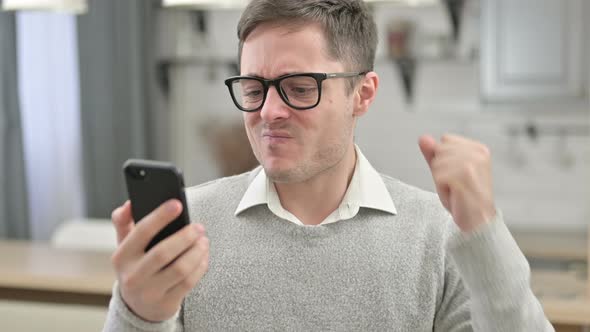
552, 245
568, 328
37, 272
563, 296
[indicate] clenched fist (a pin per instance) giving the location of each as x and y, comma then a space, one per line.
461, 169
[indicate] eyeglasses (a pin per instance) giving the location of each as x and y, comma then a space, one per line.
299, 91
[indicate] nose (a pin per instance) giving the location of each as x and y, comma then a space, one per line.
274, 108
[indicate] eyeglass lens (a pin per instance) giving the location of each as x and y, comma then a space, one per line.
296, 91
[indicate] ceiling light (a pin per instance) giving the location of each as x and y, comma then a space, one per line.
68, 6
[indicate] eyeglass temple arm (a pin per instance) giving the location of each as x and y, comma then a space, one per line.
333, 75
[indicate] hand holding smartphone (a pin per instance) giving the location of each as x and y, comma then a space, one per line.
154, 279
151, 183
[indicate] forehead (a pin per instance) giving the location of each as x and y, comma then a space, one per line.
274, 49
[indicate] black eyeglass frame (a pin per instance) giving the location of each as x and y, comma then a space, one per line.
266, 84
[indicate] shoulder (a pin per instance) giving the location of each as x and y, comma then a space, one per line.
420, 209
404, 194
220, 191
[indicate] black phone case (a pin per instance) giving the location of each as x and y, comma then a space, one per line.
151, 183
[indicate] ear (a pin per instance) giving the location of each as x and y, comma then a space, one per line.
365, 93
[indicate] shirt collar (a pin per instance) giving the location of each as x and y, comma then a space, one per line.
256, 194
372, 192
366, 189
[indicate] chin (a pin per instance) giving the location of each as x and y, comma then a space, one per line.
283, 174
277, 173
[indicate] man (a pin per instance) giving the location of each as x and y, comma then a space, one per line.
315, 238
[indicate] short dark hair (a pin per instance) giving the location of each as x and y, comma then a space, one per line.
349, 29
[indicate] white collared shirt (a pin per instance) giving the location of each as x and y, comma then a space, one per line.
366, 189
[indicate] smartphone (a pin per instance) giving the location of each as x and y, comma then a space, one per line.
151, 183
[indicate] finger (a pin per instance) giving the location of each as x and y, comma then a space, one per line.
459, 168
182, 288
122, 220
427, 146
447, 148
184, 266
450, 160
446, 173
442, 188
445, 186
167, 251
448, 137
462, 151
452, 139
150, 225
452, 180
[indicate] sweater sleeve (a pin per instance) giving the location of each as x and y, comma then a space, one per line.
121, 319
497, 278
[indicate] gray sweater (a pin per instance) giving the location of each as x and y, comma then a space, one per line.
413, 271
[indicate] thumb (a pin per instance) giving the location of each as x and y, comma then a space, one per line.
123, 221
427, 145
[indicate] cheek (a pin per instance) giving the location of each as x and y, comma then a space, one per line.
337, 111
324, 128
338, 102
250, 121
250, 124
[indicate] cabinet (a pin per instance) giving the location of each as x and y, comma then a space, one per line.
534, 50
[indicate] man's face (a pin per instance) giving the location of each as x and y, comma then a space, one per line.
292, 145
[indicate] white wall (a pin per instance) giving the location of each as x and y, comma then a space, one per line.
540, 193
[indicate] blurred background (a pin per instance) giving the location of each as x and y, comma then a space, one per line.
87, 84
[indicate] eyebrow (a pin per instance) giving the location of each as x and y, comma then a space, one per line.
253, 75
282, 74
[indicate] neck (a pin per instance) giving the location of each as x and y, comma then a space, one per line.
315, 199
